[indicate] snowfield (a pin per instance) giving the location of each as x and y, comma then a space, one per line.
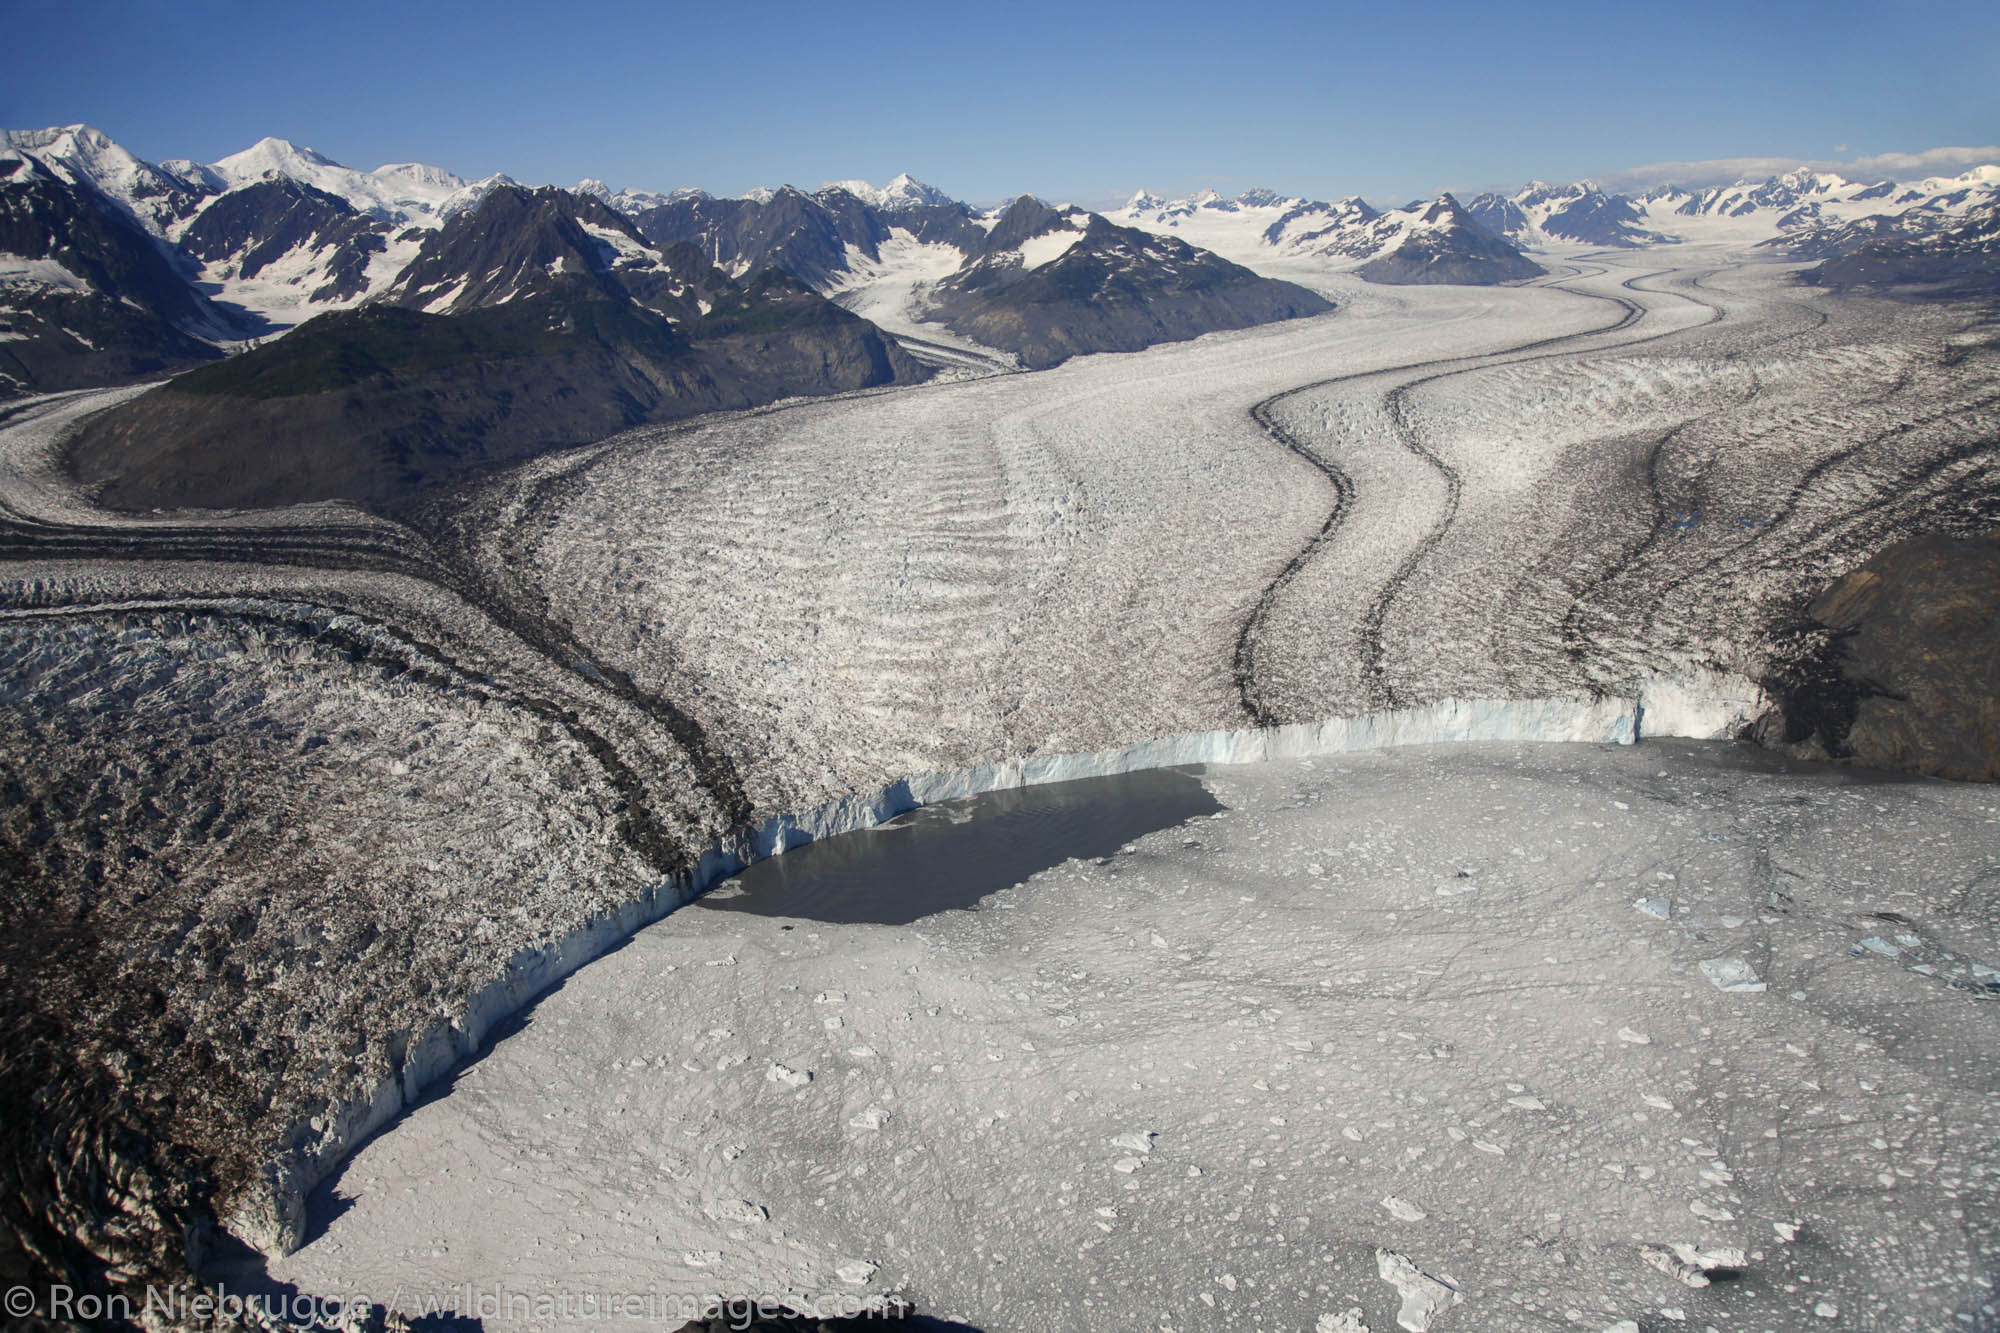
613, 673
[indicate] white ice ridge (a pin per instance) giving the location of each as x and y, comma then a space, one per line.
1702, 705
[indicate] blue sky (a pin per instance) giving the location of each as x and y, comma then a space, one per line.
1071, 101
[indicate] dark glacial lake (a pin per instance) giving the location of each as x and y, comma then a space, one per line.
952, 854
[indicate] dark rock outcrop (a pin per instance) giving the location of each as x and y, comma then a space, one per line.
379, 405
1115, 289
262, 223
559, 326
1445, 245
111, 307
1914, 255
1580, 213
804, 235
1900, 667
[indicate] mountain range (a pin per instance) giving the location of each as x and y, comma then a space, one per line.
1777, 211
447, 324
1430, 241
114, 269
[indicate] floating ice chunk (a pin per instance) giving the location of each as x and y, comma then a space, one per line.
702, 1258
1827, 1310
1787, 1231
872, 1118
740, 1211
785, 1074
1876, 944
1127, 1165
856, 1272
1634, 1037
1137, 1140
1730, 974
1708, 1259
1680, 1270
1349, 1321
830, 997
1623, 1326
1424, 1297
1660, 909
1528, 1103
1713, 1212
1402, 1209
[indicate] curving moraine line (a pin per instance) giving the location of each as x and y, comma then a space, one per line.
1574, 636
1382, 694
383, 547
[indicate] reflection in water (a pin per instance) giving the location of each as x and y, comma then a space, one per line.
954, 853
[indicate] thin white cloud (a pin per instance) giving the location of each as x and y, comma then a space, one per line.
1875, 166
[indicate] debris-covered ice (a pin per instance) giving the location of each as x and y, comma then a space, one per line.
1604, 1126
1730, 974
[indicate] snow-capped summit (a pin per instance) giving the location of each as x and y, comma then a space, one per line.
399, 193
198, 176
1051, 283
905, 191
86, 156
1578, 214
633, 202
271, 154
1429, 241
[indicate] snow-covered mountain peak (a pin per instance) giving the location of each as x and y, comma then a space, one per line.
1750, 211
86, 156
1443, 211
273, 155
905, 191
62, 142
198, 175
401, 192
1430, 240
633, 202
420, 175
